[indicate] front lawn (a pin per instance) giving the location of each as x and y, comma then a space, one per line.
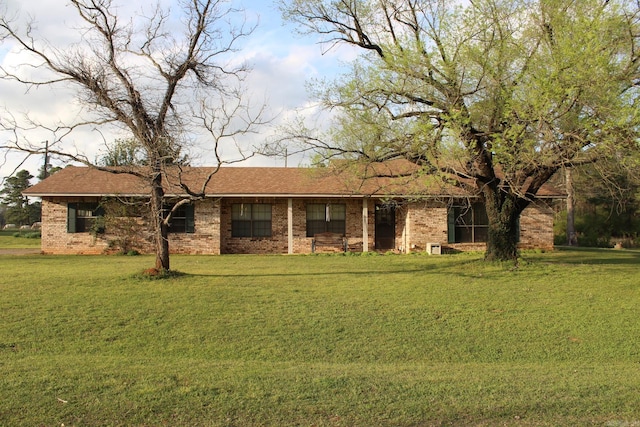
322, 341
19, 239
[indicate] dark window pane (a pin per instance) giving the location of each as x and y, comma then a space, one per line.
470, 223
177, 225
316, 212
241, 211
261, 212
241, 229
179, 218
319, 222
251, 220
464, 235
338, 212
262, 229
84, 225
315, 227
480, 214
337, 226
464, 216
481, 234
86, 215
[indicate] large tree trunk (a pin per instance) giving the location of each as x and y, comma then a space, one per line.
160, 231
503, 214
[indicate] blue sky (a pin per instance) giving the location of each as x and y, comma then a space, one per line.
282, 62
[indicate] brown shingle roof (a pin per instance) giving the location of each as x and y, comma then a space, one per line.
243, 181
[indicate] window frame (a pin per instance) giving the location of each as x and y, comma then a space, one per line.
254, 221
84, 223
319, 223
182, 220
468, 219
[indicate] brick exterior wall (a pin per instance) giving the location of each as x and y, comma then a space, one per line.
206, 237
424, 222
417, 223
278, 243
536, 226
420, 223
56, 239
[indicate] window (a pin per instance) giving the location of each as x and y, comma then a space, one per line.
323, 218
468, 224
84, 217
182, 219
250, 220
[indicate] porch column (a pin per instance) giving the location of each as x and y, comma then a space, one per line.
365, 225
406, 232
290, 225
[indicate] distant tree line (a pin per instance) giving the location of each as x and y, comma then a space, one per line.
606, 206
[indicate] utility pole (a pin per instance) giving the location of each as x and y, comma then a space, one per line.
45, 169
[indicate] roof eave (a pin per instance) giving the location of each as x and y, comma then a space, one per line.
81, 195
274, 195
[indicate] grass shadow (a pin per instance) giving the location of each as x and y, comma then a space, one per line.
590, 256
460, 265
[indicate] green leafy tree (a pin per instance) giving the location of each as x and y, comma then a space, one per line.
18, 209
123, 152
491, 95
129, 152
606, 203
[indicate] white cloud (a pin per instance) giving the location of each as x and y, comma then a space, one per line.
282, 62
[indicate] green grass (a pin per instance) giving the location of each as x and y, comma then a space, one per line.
322, 341
16, 239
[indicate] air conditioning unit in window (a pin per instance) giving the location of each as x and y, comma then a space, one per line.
434, 249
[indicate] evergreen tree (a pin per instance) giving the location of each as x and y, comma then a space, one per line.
18, 211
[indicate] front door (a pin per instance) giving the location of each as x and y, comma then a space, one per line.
385, 227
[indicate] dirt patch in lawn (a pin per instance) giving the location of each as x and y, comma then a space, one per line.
19, 251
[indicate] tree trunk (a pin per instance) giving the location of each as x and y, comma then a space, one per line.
571, 228
503, 215
502, 244
160, 231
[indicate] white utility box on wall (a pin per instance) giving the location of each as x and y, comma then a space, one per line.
434, 249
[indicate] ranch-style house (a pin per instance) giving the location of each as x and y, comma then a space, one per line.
274, 210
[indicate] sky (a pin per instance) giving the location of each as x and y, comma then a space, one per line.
282, 62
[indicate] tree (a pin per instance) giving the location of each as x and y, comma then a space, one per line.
491, 95
141, 75
19, 211
128, 152
606, 203
123, 152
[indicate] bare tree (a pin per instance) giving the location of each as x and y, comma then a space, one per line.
494, 96
156, 83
